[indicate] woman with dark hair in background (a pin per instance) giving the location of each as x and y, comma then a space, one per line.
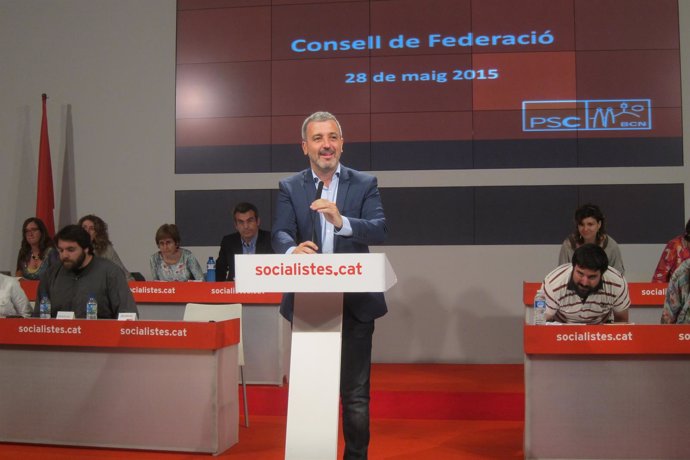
674, 254
590, 227
171, 262
102, 246
37, 250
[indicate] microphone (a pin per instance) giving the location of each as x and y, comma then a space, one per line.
315, 221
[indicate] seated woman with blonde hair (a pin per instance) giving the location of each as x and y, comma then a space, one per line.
102, 247
171, 262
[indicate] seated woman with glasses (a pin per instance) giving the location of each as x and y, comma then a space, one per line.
171, 262
36, 251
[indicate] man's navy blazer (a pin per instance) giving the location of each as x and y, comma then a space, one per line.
231, 245
359, 200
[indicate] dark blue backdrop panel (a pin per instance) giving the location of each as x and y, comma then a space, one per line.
223, 158
439, 155
540, 153
524, 214
429, 215
496, 215
421, 155
657, 151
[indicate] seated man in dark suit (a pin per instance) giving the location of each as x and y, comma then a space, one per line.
248, 239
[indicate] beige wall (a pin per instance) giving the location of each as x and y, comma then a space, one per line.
113, 63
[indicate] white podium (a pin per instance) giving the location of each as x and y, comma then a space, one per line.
318, 281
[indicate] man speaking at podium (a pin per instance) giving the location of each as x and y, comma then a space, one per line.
346, 217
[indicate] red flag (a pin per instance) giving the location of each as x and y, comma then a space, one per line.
45, 201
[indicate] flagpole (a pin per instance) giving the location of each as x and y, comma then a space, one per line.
45, 199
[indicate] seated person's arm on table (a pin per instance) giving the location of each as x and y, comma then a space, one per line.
621, 317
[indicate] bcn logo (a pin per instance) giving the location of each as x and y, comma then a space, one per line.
587, 115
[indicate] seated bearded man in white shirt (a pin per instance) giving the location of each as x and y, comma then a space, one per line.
586, 291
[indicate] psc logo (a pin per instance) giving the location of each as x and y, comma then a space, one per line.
587, 115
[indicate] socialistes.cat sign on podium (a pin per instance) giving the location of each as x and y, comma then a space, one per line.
318, 281
313, 273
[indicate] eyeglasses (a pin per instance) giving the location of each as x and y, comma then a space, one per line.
31, 230
166, 243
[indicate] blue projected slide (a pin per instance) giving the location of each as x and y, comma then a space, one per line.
439, 84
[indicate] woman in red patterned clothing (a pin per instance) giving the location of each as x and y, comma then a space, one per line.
676, 251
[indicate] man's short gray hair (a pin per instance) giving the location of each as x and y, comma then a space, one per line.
316, 117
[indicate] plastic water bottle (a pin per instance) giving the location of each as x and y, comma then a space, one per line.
539, 308
44, 307
92, 308
211, 269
